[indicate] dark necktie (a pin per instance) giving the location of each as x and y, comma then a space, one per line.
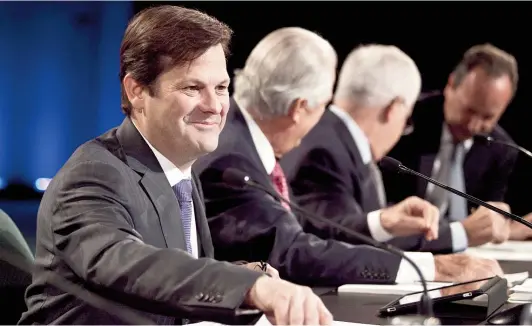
183, 192
376, 178
279, 181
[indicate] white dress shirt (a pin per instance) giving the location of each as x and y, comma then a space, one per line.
458, 233
174, 176
406, 273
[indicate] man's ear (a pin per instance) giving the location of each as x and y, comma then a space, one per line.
392, 109
296, 109
450, 80
134, 91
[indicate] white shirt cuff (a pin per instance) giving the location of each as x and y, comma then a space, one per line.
458, 237
423, 260
375, 227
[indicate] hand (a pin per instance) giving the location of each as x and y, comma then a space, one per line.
285, 303
411, 216
519, 231
256, 266
458, 268
485, 225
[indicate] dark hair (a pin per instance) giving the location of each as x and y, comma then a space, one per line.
495, 62
162, 37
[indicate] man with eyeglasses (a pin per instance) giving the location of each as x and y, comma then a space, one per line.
477, 93
334, 170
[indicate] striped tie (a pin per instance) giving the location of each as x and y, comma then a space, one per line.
183, 192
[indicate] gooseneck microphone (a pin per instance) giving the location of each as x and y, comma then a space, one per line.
240, 179
488, 140
393, 164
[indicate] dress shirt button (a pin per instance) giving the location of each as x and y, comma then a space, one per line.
199, 296
207, 298
218, 298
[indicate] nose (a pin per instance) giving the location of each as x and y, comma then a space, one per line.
211, 103
475, 125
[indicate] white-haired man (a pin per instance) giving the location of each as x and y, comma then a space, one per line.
279, 96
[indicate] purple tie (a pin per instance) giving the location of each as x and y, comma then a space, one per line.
183, 192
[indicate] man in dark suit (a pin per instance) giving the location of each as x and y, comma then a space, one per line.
124, 217
441, 145
278, 96
334, 172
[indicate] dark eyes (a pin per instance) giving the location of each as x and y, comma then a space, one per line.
221, 88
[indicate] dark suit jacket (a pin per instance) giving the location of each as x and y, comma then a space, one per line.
327, 176
486, 168
251, 225
110, 222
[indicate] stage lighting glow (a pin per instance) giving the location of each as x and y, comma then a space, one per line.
42, 183
2, 184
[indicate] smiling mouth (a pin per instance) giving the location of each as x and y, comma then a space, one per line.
205, 124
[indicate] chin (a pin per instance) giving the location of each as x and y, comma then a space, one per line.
208, 146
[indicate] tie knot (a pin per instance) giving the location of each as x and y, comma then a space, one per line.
183, 190
277, 172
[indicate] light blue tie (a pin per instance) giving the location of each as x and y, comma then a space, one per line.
457, 204
183, 192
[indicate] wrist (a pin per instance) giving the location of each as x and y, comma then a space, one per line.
251, 299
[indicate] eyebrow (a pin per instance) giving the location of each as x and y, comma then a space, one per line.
197, 81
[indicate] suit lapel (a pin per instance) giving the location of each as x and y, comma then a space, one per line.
141, 159
202, 226
426, 163
167, 208
366, 193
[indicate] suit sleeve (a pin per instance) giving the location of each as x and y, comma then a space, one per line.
93, 234
320, 186
256, 226
499, 175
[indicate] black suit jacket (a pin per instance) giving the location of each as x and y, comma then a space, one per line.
110, 222
327, 175
486, 167
251, 225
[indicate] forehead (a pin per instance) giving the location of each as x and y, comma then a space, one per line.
209, 68
483, 92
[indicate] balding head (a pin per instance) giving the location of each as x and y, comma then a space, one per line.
287, 64
375, 75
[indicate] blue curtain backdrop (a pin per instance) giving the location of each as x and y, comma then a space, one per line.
59, 82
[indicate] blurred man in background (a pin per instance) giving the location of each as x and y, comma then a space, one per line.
334, 171
124, 217
279, 95
441, 145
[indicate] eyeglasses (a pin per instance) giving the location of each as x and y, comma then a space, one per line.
409, 127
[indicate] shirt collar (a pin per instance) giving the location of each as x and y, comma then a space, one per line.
261, 142
447, 137
358, 135
173, 174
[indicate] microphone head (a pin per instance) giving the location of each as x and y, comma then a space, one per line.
391, 164
483, 139
235, 177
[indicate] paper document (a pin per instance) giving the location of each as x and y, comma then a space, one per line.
397, 289
512, 246
406, 288
498, 254
263, 321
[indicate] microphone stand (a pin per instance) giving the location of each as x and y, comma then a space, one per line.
489, 140
234, 176
388, 161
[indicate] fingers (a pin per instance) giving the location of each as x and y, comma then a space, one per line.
326, 317
296, 311
429, 214
311, 306
281, 310
272, 272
